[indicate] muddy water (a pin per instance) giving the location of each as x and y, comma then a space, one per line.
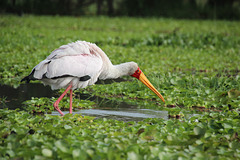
105, 108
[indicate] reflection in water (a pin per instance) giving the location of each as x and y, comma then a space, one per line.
105, 108
15, 97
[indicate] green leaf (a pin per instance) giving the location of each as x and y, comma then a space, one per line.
198, 131
132, 156
76, 153
234, 145
67, 127
227, 125
62, 146
47, 152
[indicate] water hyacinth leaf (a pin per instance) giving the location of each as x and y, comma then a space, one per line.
62, 146
227, 125
76, 153
10, 153
234, 145
90, 152
199, 131
132, 156
67, 127
197, 72
47, 152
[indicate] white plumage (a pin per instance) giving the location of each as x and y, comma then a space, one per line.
80, 64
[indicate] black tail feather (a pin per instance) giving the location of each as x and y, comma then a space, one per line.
26, 79
29, 77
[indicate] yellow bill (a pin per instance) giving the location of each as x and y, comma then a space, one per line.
145, 81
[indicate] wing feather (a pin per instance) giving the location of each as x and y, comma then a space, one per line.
76, 59
40, 69
76, 66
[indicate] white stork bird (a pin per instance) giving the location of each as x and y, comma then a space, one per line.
78, 65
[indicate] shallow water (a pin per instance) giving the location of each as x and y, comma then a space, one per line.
105, 108
123, 114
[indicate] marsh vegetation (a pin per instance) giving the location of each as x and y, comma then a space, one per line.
193, 63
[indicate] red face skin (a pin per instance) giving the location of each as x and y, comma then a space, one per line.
137, 73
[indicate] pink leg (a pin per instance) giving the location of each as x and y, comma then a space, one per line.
55, 105
70, 108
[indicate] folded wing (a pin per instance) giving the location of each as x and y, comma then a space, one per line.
76, 62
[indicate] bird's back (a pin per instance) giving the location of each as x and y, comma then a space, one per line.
72, 49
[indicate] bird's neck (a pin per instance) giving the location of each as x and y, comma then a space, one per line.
116, 71
110, 71
121, 70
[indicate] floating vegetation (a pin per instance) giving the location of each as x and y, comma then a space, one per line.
194, 64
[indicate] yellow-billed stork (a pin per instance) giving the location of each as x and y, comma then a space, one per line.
78, 65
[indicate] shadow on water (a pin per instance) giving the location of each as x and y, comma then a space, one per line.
12, 98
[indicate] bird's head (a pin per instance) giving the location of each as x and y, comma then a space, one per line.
140, 76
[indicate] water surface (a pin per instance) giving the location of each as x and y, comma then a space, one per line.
105, 108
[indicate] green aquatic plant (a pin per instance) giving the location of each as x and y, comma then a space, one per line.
26, 136
193, 63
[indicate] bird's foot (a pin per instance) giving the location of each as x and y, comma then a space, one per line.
55, 105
